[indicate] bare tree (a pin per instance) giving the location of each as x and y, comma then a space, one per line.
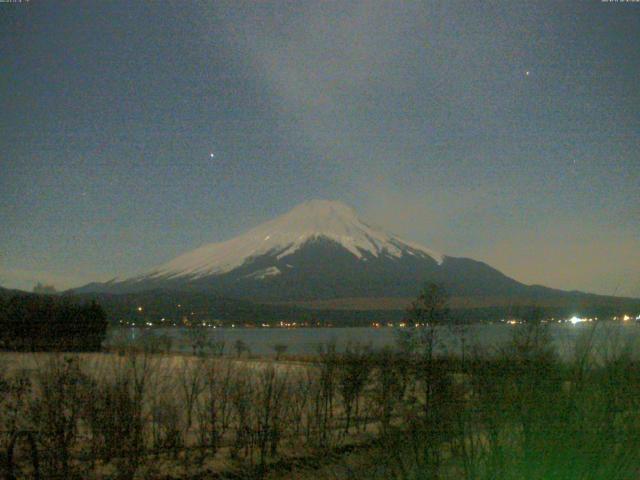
215, 408
240, 347
270, 388
388, 385
353, 374
242, 402
191, 377
429, 312
327, 379
280, 349
56, 411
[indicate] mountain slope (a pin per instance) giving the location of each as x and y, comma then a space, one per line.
321, 250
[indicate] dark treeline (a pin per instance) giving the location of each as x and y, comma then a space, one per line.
176, 307
42, 322
457, 316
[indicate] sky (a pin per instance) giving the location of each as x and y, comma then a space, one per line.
508, 132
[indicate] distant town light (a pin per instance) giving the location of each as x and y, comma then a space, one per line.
576, 319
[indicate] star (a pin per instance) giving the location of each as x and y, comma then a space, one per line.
212, 155
527, 73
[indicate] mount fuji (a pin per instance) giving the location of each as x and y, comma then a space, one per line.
321, 251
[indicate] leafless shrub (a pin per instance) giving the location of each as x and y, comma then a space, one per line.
242, 403
15, 392
191, 380
116, 414
311, 407
299, 386
56, 410
324, 402
214, 407
387, 386
15, 427
217, 348
169, 431
269, 412
353, 375
241, 347
280, 349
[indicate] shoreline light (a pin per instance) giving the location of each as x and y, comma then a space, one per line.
575, 319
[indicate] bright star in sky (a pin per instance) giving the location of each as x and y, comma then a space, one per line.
272, 108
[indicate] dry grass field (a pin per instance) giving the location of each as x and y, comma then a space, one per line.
514, 413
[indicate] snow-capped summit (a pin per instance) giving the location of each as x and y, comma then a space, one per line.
284, 235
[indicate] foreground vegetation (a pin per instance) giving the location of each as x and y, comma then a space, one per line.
516, 412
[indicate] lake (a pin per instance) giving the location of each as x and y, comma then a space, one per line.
304, 341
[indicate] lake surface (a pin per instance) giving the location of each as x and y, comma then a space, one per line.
303, 341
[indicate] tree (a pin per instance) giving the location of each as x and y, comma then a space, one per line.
44, 289
426, 313
95, 326
280, 349
353, 374
240, 347
39, 322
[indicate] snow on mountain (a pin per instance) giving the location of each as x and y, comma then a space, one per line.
285, 235
264, 273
